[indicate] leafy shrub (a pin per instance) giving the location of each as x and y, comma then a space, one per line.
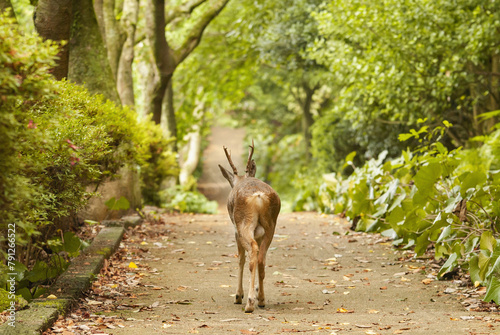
179, 199
57, 140
431, 197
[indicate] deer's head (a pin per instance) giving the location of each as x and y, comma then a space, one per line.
233, 177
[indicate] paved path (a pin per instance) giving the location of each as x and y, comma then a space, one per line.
319, 280
211, 183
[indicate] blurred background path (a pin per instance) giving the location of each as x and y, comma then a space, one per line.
211, 183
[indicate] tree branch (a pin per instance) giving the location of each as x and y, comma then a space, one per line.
194, 36
183, 9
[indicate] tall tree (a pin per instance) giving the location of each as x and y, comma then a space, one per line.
53, 21
118, 33
166, 58
89, 64
6, 4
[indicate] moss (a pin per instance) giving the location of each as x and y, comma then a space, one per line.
59, 304
5, 301
104, 251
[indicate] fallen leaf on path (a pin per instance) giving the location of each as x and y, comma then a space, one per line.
230, 320
373, 311
132, 265
363, 326
427, 281
344, 310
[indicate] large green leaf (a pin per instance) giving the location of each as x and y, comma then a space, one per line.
474, 270
121, 204
488, 241
493, 291
449, 265
425, 179
472, 180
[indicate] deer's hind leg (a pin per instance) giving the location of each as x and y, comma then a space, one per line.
264, 245
241, 257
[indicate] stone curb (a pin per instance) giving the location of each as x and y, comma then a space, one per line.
69, 287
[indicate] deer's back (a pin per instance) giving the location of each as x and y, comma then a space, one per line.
254, 195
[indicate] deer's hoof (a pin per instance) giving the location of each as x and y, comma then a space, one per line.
239, 299
261, 304
249, 308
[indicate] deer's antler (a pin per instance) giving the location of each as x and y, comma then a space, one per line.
251, 166
228, 155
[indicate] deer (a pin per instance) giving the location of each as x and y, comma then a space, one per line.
253, 208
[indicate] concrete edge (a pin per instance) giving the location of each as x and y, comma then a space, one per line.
125, 222
70, 286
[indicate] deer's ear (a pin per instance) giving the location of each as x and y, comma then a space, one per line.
228, 175
251, 169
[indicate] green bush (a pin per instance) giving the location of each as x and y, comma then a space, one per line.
431, 197
185, 201
57, 140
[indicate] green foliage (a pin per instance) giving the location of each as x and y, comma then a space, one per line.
30, 282
185, 201
431, 196
115, 205
394, 62
57, 142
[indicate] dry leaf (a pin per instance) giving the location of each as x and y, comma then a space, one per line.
427, 281
344, 310
132, 265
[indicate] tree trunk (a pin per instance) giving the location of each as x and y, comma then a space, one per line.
6, 4
494, 89
477, 108
53, 21
89, 65
192, 156
169, 121
166, 59
189, 158
119, 38
164, 64
307, 118
124, 77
